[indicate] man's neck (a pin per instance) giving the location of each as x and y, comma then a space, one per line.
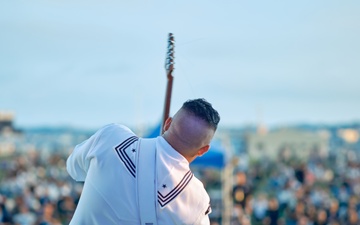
172, 143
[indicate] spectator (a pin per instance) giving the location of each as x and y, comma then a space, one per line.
66, 208
5, 217
48, 215
241, 190
352, 217
333, 212
321, 218
24, 217
273, 213
260, 207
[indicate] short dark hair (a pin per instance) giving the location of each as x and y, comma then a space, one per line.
203, 110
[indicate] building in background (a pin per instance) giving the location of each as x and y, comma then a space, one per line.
286, 143
7, 123
8, 134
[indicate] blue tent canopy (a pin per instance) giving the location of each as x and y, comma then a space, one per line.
154, 132
214, 158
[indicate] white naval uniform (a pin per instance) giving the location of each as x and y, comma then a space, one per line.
107, 162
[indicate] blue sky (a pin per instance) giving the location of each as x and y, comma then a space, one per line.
88, 63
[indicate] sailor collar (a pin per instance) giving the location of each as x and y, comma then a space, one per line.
173, 173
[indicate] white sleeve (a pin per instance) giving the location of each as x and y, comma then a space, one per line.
78, 162
203, 219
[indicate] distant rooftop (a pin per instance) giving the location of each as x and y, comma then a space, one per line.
6, 116
6, 123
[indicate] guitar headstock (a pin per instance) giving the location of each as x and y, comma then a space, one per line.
169, 62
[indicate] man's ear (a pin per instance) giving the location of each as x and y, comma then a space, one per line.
167, 123
203, 150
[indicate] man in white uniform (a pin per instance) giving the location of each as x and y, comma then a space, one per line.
107, 163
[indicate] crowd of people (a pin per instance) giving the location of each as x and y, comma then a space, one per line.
315, 191
37, 190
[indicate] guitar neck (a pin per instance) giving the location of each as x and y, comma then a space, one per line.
167, 102
169, 66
